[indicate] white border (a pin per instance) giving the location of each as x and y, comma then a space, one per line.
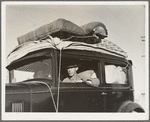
3, 69
75, 3
70, 116
147, 57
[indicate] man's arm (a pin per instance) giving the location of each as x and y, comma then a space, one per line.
90, 78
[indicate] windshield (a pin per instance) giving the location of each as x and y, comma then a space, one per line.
38, 69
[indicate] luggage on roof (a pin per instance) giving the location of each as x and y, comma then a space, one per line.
63, 29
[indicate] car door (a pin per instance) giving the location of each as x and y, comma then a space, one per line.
118, 89
81, 97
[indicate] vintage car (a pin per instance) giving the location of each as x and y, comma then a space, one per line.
37, 67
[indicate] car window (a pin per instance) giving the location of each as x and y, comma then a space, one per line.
116, 74
38, 69
86, 70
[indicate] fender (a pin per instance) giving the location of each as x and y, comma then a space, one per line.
130, 106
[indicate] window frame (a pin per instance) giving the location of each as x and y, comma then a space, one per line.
49, 56
29, 64
84, 57
115, 62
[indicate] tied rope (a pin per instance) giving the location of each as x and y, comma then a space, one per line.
59, 80
55, 45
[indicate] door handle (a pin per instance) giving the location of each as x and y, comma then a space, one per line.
103, 93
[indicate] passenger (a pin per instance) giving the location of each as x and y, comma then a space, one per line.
88, 76
38, 74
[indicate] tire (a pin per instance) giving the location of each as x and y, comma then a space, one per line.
130, 106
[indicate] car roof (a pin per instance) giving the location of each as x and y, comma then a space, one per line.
103, 47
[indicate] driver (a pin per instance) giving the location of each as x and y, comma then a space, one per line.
88, 76
72, 72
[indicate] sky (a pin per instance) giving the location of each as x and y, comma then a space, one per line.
125, 23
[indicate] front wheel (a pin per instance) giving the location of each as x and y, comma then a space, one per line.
131, 107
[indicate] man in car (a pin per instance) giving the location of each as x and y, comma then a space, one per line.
88, 76
72, 72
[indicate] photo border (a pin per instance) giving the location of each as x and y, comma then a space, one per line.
60, 114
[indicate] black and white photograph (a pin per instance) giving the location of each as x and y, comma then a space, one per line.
75, 60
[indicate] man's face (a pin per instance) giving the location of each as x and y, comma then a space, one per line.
72, 71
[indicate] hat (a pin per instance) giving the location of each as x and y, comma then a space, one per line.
72, 66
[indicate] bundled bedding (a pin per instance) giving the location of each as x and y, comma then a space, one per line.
64, 29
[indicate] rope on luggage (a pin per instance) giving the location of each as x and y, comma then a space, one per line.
81, 37
59, 79
52, 41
